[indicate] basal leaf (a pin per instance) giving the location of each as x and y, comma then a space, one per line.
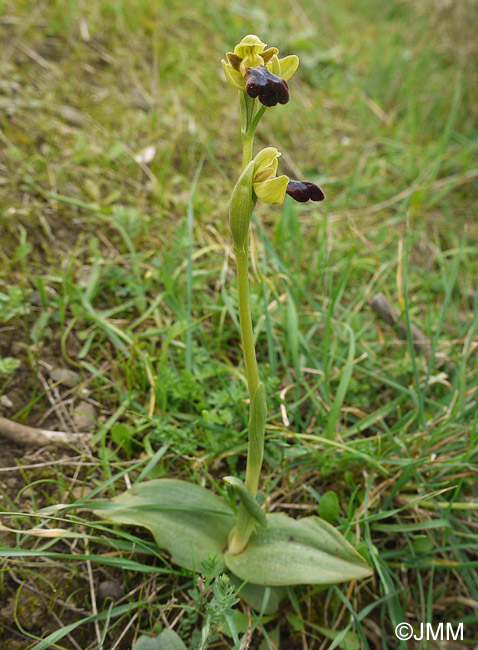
290, 552
187, 520
329, 506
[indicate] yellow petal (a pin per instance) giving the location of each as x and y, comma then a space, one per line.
264, 174
288, 65
234, 77
250, 60
266, 158
269, 53
274, 65
272, 191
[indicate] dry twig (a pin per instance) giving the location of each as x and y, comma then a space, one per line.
29, 436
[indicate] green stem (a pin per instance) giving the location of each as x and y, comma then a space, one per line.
245, 523
242, 261
247, 143
245, 322
241, 531
253, 125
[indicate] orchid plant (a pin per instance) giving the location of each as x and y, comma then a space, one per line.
262, 552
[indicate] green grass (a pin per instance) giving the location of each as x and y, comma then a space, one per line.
123, 271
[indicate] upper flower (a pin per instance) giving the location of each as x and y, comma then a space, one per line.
270, 188
259, 72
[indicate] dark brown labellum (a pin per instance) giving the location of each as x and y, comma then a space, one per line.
270, 88
303, 191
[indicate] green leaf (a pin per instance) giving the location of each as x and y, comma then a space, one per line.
167, 640
187, 520
293, 332
271, 638
121, 434
329, 506
257, 427
240, 622
250, 503
260, 598
241, 207
296, 621
342, 388
344, 639
8, 365
290, 552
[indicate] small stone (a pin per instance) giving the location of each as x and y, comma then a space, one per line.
84, 276
68, 378
108, 590
6, 401
146, 155
17, 348
84, 417
35, 299
72, 115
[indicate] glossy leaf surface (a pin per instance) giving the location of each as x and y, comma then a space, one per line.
291, 552
185, 519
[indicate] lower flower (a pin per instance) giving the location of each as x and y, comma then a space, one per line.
270, 188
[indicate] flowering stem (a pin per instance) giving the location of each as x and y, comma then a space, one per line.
247, 336
247, 142
245, 523
242, 261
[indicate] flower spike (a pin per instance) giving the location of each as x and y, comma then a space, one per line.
258, 73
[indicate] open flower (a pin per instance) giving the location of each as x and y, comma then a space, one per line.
267, 186
259, 72
258, 180
270, 188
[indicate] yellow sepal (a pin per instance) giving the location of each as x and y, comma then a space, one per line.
233, 76
274, 65
288, 65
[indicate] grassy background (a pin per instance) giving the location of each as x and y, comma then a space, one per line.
122, 270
